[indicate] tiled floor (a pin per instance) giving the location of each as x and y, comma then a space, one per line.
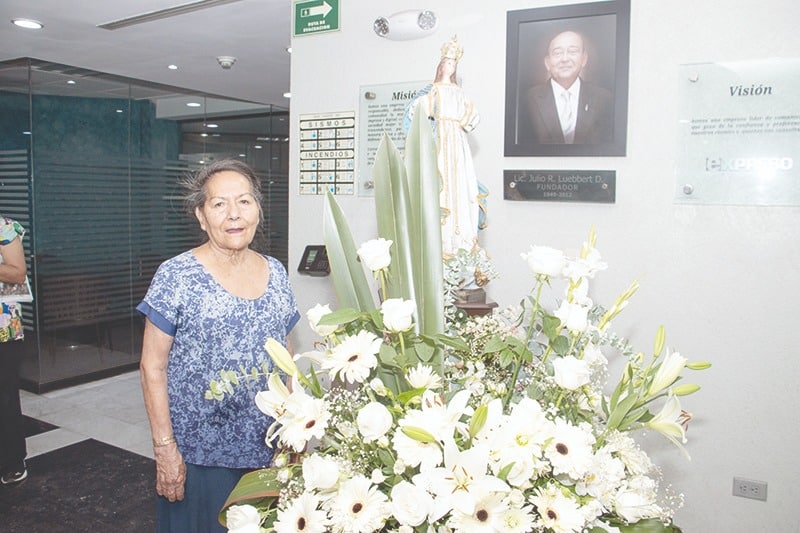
109, 410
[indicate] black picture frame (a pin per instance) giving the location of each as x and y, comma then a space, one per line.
605, 27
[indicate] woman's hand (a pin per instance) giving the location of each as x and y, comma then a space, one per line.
170, 472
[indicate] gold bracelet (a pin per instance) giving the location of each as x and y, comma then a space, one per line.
163, 441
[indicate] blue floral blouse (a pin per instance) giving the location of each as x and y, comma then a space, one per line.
10, 313
214, 330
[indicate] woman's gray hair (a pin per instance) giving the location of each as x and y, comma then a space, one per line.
195, 183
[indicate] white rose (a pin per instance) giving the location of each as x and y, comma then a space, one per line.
320, 472
410, 504
571, 373
574, 317
243, 519
398, 314
374, 421
545, 260
375, 254
315, 314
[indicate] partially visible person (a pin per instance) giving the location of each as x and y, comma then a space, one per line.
12, 433
208, 309
568, 109
462, 199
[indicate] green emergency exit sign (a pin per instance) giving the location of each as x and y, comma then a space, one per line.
315, 16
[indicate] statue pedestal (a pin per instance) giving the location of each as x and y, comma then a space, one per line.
476, 308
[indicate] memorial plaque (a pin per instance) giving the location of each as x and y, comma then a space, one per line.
739, 133
596, 186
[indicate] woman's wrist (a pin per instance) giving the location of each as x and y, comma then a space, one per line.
163, 441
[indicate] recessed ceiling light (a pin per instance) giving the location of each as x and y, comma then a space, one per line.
212, 125
287, 95
71, 82
257, 147
289, 49
193, 104
28, 24
242, 155
119, 110
172, 67
204, 135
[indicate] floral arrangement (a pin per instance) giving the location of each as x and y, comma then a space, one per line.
398, 421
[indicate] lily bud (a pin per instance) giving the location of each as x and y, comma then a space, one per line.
281, 356
685, 390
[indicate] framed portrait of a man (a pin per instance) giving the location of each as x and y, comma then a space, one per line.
567, 80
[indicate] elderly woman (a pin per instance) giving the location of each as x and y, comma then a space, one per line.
12, 436
208, 309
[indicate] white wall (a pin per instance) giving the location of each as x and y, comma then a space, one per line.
723, 280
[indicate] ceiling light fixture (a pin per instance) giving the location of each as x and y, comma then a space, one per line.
28, 24
287, 95
193, 104
212, 125
172, 67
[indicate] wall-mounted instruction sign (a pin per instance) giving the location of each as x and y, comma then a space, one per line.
381, 110
739, 133
327, 153
315, 16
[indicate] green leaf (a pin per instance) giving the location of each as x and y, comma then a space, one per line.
340, 316
550, 325
256, 486
621, 410
560, 345
394, 216
456, 343
503, 474
407, 396
424, 351
347, 274
426, 232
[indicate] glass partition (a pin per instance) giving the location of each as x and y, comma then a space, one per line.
89, 164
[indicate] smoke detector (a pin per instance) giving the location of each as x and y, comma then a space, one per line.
226, 62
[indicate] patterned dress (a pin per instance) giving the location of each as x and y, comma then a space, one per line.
214, 330
10, 313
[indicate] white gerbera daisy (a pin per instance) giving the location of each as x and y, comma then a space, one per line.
517, 520
487, 516
557, 512
309, 419
358, 507
302, 516
354, 358
423, 376
570, 451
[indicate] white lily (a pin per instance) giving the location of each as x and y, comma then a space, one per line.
669, 370
667, 422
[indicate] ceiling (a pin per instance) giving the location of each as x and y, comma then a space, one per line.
255, 32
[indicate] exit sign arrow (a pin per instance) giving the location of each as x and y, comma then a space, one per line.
316, 11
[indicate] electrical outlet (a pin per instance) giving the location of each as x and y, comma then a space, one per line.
750, 488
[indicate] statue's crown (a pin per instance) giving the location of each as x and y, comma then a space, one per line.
452, 50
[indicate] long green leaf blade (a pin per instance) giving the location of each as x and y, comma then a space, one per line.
349, 280
394, 216
426, 230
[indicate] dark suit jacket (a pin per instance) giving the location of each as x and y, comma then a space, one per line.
594, 123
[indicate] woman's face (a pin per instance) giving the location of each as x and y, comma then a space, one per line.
230, 214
